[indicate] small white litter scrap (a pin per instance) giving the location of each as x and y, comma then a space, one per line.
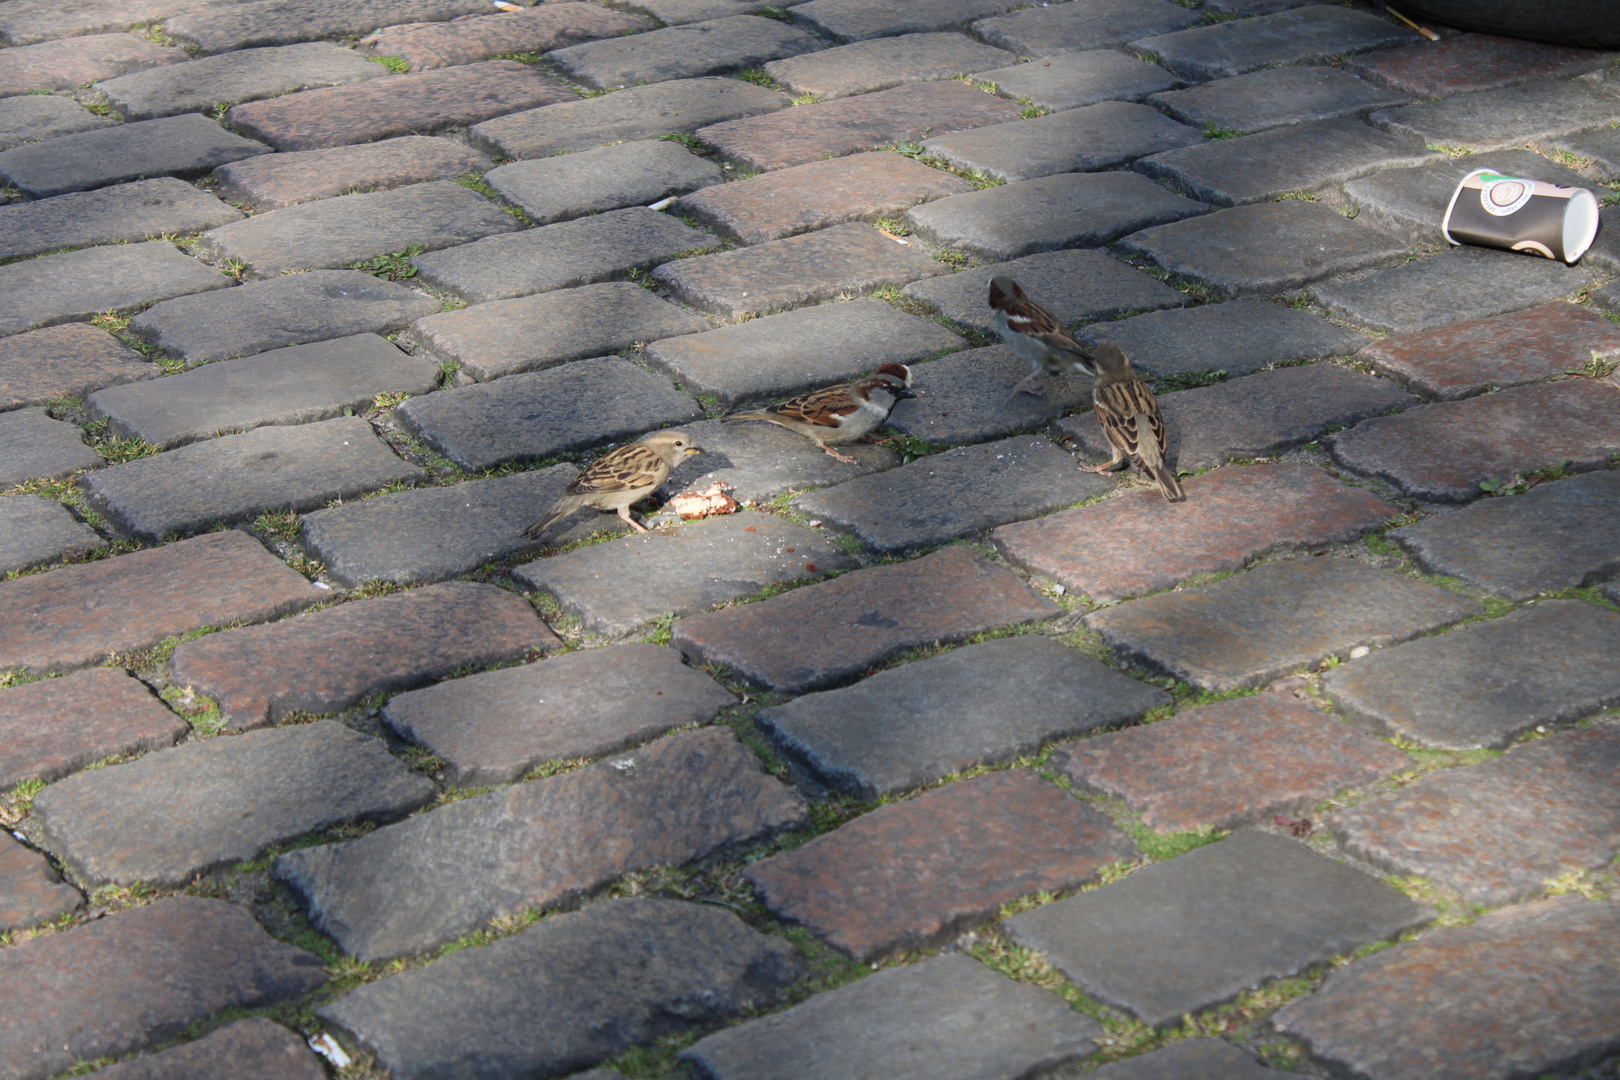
326, 1046
1359, 651
712, 500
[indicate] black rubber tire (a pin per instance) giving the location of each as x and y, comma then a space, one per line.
1591, 24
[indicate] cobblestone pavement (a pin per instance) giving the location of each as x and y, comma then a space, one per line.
952, 763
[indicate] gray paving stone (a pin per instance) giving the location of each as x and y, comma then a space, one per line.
465, 40
1275, 96
290, 310
55, 727
544, 413
1264, 248
1306, 35
297, 385
1076, 286
682, 52
31, 891
1070, 80
1072, 210
880, 63
65, 361
178, 813
251, 1049
1297, 157
948, 1017
980, 705
183, 146
1238, 337
409, 887
962, 398
110, 216
640, 112
615, 975
271, 181
762, 461
283, 22
1607, 298
203, 85
1055, 30
28, 22
1274, 619
239, 476
855, 20
770, 358
352, 228
1180, 936
1509, 116
78, 285
1601, 148
629, 174
75, 62
699, 566
676, 12
35, 531
1205, 1058
32, 117
33, 447
1102, 136
1463, 283
602, 247
529, 333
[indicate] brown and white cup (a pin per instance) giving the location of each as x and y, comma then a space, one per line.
1493, 210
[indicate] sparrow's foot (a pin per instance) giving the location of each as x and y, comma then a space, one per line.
879, 440
631, 521
845, 458
1107, 466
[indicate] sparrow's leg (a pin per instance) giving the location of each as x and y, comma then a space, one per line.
1117, 463
1033, 384
624, 512
845, 458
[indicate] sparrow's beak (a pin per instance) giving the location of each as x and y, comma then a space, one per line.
903, 392
690, 450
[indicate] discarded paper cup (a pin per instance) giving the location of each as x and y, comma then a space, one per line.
1510, 212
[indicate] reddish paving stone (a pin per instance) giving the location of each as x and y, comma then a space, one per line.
1229, 764
138, 977
417, 104
31, 892
1139, 544
333, 658
78, 61
856, 20
224, 27
1468, 62
531, 30
862, 187
831, 633
56, 726
77, 616
846, 126
28, 22
914, 873
1522, 992
271, 181
71, 360
251, 1049
1468, 358
1443, 451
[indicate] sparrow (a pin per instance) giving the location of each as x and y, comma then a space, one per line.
619, 479
1129, 414
840, 414
1035, 335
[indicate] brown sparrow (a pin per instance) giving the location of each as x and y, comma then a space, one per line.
619, 479
840, 414
1129, 414
1035, 335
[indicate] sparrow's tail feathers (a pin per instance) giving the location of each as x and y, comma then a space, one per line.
1169, 486
556, 514
748, 416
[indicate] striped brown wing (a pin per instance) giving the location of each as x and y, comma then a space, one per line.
819, 407
625, 469
1119, 404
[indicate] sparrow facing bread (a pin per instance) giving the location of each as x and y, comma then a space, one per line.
621, 478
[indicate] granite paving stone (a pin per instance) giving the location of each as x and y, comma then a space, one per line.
271, 181
1205, 1058
1133, 544
1059, 29
1264, 248
682, 52
979, 705
612, 976
1279, 617
962, 398
175, 814
36, 530
78, 285
35, 447
1255, 416
282, 22
856, 20
1070, 80
1442, 451
762, 461
1439, 1003
181, 146
1229, 764
1238, 337
1557, 536
414, 104
1485, 684
795, 272
139, 977
860, 187
834, 632
250, 1049
1607, 298
850, 125
110, 216
881, 63
31, 117
1305, 35
77, 61
330, 659
1076, 286
1102, 136
535, 29
948, 1017
495, 727
1180, 936
628, 174
56, 726
261, 315
409, 887
913, 874
296, 385
602, 247
529, 333
1509, 116
699, 566
1275, 96
640, 112
955, 493
1465, 62
1600, 148
1604, 255
676, 12
77, 616
349, 229
69, 360
231, 78
31, 892
29, 22
540, 414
